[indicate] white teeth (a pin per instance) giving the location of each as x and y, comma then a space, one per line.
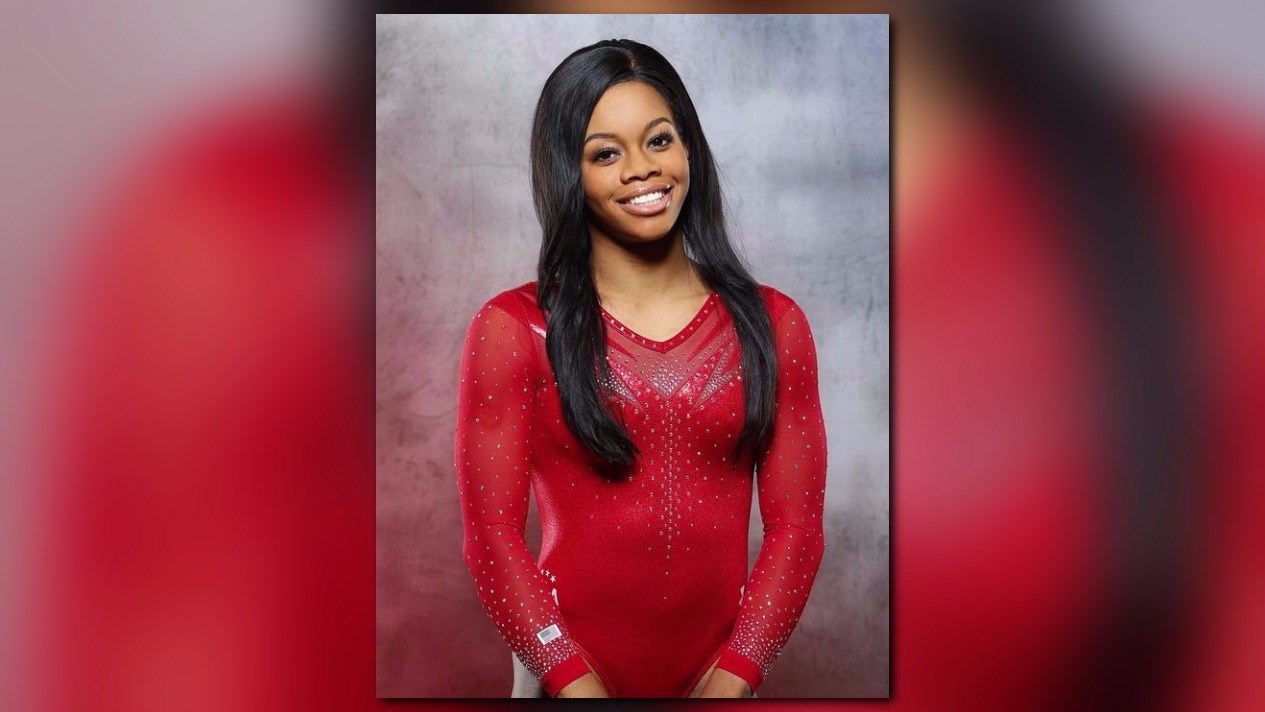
647, 198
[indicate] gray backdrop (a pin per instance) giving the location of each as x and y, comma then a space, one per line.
796, 110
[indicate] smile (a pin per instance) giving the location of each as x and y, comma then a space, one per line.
650, 202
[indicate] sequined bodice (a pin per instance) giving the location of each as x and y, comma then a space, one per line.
667, 365
643, 578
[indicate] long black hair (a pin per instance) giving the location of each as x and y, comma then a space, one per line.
576, 337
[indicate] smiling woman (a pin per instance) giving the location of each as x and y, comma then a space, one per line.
638, 386
642, 171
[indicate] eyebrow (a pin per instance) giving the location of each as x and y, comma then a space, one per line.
653, 122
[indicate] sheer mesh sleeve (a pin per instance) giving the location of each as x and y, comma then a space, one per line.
493, 466
791, 480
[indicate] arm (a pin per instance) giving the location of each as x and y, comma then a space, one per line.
493, 466
791, 481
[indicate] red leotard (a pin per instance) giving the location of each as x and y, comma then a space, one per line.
644, 580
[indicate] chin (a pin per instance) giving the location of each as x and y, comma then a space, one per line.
646, 235
646, 230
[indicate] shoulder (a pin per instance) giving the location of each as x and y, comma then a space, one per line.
520, 303
778, 303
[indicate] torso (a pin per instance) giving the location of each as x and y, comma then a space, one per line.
649, 569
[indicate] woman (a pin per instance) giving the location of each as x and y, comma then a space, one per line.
636, 386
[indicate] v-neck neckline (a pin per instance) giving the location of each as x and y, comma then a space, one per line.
680, 336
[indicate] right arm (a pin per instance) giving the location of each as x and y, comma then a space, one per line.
493, 466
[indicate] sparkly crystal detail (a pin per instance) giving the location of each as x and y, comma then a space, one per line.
721, 373
676, 526
614, 382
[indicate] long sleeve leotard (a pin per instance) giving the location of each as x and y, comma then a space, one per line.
643, 579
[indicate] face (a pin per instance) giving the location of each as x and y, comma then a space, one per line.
635, 168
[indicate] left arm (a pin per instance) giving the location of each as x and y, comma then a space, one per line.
791, 480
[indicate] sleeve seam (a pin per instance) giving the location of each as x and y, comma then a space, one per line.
525, 323
776, 321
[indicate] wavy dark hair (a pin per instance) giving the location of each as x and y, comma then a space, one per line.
576, 338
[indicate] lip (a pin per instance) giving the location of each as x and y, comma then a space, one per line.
647, 209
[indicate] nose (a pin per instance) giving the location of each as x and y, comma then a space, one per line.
639, 166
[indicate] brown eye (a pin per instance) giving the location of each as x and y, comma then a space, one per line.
660, 141
604, 155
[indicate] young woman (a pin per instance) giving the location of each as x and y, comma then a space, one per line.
640, 386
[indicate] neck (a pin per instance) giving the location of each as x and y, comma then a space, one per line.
646, 271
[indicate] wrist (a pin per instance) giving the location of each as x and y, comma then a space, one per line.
723, 683
586, 686
564, 675
742, 667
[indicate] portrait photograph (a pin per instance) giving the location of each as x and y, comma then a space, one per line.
633, 356
907, 355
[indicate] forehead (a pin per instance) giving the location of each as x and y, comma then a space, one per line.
626, 108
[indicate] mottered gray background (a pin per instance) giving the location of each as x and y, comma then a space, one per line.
796, 111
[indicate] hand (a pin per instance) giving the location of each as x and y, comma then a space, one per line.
702, 681
722, 683
587, 685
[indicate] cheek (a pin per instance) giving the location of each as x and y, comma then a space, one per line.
681, 168
683, 187
596, 186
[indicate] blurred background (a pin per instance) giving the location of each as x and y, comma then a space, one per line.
187, 438
796, 110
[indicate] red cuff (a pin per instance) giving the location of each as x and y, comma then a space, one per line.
741, 666
563, 674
